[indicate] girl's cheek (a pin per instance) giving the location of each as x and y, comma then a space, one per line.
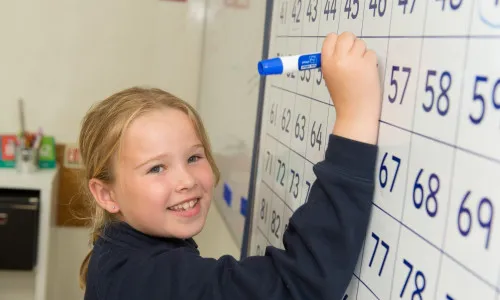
206, 175
159, 184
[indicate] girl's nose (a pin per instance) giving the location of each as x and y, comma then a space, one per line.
185, 180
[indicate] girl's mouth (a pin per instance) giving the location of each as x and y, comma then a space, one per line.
187, 208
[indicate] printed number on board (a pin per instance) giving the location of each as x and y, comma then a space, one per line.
281, 171
312, 10
286, 121
480, 112
283, 12
392, 162
383, 251
329, 14
276, 222
281, 163
296, 11
273, 114
260, 243
317, 136
295, 179
414, 282
267, 161
406, 5
438, 98
401, 82
268, 164
444, 5
351, 9
300, 125
309, 178
486, 97
297, 15
319, 89
378, 7
316, 139
263, 205
416, 267
330, 10
319, 77
425, 192
286, 219
472, 237
400, 76
476, 212
388, 171
379, 253
305, 76
440, 88
294, 183
264, 209
450, 4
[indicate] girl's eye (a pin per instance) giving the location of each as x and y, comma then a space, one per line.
194, 158
156, 169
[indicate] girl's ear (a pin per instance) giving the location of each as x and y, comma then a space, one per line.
103, 194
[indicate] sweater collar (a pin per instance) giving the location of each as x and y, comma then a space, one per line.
126, 235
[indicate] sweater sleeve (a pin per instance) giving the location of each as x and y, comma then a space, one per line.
322, 244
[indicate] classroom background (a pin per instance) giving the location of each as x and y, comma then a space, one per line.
432, 233
60, 57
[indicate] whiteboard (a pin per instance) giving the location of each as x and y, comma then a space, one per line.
228, 98
434, 231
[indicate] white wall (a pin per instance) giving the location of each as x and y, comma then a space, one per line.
73, 53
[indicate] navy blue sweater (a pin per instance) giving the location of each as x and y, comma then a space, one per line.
323, 241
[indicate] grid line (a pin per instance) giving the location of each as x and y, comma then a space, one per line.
429, 36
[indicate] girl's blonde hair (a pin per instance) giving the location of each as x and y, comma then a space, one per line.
100, 138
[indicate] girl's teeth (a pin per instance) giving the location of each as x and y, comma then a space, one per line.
185, 205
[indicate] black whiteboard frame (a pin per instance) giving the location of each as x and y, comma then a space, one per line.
245, 247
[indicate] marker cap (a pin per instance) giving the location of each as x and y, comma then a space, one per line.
270, 66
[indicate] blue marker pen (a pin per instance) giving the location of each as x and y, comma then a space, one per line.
283, 64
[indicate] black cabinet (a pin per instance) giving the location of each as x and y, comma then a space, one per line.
19, 221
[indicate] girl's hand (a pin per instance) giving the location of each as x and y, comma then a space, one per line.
351, 75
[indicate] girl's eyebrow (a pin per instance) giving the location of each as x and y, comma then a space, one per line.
151, 159
164, 155
197, 146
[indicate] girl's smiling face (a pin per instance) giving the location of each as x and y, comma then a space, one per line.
164, 182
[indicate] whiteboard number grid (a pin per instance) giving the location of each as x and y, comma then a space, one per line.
433, 232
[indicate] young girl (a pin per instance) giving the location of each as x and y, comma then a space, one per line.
150, 174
